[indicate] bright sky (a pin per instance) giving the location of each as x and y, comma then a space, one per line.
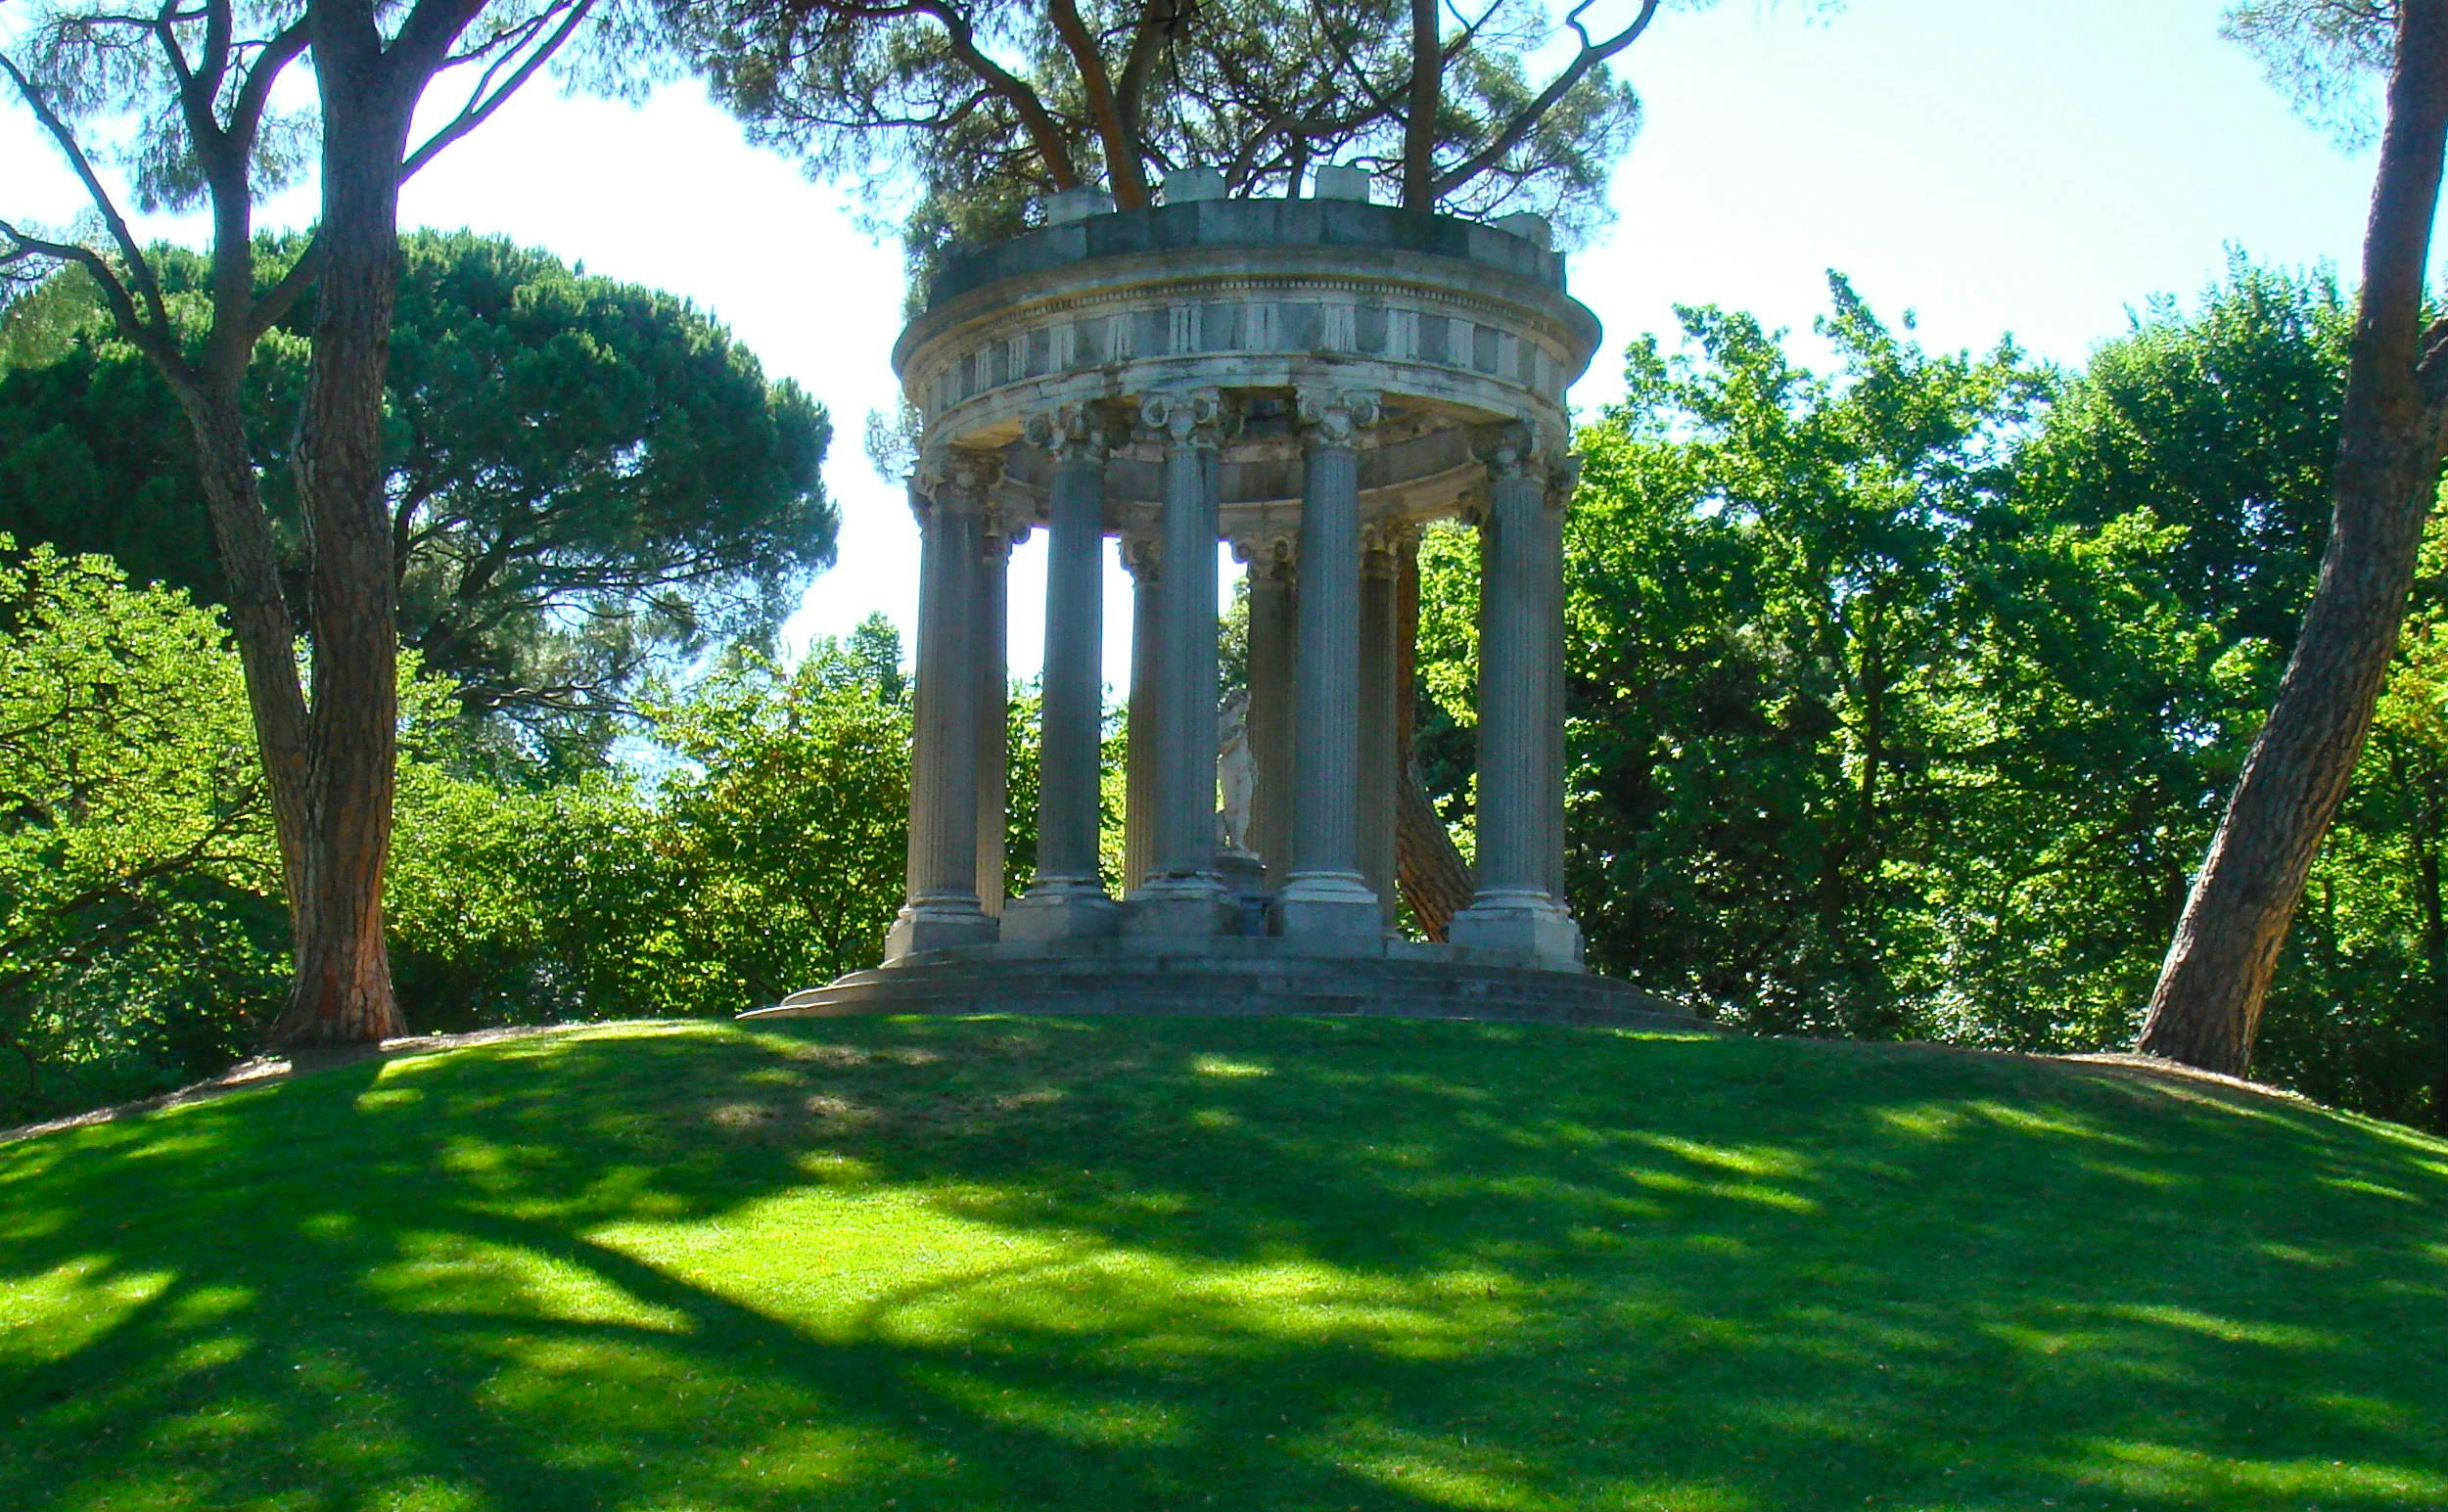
2030, 168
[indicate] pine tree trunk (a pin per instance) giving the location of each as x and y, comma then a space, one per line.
2206, 1009
342, 994
1428, 868
1434, 878
259, 619
1423, 96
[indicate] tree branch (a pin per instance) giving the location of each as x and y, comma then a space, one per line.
1157, 19
1423, 97
104, 204
1044, 133
1527, 119
153, 341
280, 51
275, 304
479, 106
1124, 167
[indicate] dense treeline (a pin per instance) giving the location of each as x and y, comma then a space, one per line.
1903, 695
583, 478
1905, 688
141, 937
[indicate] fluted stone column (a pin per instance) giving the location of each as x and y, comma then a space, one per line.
1326, 899
1520, 646
991, 625
1141, 558
1560, 485
943, 910
1066, 900
1377, 693
1182, 894
1273, 650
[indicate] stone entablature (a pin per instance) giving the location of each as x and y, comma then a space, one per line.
1456, 324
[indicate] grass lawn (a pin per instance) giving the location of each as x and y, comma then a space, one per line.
1222, 1263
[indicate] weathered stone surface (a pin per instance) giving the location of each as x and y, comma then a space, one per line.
1388, 978
1453, 322
1310, 379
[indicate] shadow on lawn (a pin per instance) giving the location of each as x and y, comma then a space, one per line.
1233, 1262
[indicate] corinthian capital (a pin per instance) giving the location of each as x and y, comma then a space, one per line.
1073, 432
1334, 416
1510, 451
1268, 552
959, 478
1521, 450
1563, 480
1384, 543
1188, 417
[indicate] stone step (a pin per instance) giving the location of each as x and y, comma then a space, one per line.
970, 985
1163, 968
1139, 983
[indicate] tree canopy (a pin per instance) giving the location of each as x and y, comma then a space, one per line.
969, 110
185, 98
580, 474
135, 847
1904, 689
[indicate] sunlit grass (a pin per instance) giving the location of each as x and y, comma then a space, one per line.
1239, 1264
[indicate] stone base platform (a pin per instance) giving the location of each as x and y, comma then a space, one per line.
1397, 979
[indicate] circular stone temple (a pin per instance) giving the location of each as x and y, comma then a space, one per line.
1311, 381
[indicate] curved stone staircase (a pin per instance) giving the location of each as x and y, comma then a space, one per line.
1393, 979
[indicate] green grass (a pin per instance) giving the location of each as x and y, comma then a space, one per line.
1239, 1264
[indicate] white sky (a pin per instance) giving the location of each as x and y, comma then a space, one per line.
1996, 168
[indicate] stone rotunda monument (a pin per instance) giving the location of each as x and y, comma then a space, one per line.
1311, 381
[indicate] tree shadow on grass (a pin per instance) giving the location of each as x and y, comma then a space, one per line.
1222, 1262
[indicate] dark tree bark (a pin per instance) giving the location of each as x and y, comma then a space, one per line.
1421, 99
342, 994
2206, 1009
1428, 868
260, 621
328, 760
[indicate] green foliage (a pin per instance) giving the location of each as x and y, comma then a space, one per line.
2323, 55
2359, 1012
1764, 569
1293, 1263
764, 855
767, 858
1903, 698
952, 118
587, 479
755, 847
794, 808
139, 934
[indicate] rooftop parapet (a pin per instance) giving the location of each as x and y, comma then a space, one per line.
1518, 245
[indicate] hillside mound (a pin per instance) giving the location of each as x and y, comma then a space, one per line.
1242, 1263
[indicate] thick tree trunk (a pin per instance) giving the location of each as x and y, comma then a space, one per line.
342, 990
1434, 878
1428, 868
259, 619
2206, 1009
1423, 97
